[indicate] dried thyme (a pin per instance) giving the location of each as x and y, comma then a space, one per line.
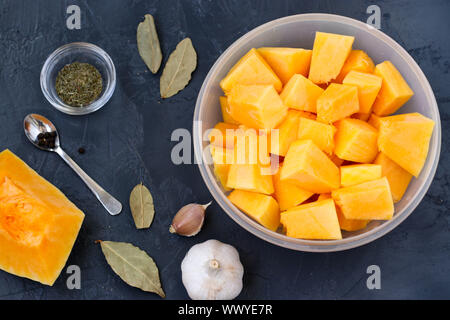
78, 84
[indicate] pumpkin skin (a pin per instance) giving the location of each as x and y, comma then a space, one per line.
38, 224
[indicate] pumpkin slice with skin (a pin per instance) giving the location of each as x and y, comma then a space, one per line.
38, 224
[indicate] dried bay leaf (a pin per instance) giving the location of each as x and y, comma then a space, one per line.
179, 67
133, 265
148, 43
141, 205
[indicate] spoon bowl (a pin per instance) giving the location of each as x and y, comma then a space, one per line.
43, 134
36, 125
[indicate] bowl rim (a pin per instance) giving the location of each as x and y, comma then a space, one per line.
97, 104
318, 245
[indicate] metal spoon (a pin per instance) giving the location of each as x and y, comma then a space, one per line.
35, 124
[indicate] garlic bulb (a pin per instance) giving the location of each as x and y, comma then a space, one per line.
212, 271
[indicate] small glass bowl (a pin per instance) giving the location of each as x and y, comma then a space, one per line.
81, 52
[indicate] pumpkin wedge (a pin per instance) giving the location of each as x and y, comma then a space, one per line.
38, 224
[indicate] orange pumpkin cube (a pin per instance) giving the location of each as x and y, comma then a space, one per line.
38, 224
222, 158
359, 173
398, 178
356, 141
345, 224
368, 87
394, 92
301, 93
286, 62
260, 207
287, 194
366, 201
315, 220
256, 106
252, 146
306, 166
227, 118
250, 177
350, 224
357, 60
405, 139
223, 135
330, 51
287, 133
320, 133
251, 69
337, 102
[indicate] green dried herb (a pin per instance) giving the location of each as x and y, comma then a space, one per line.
78, 84
179, 67
133, 266
148, 43
141, 204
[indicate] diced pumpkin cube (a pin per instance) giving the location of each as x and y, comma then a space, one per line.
366, 201
227, 118
251, 69
287, 133
350, 224
405, 139
359, 173
223, 135
222, 158
252, 146
287, 194
374, 121
306, 166
262, 208
320, 133
357, 60
330, 51
368, 87
316, 220
222, 155
301, 93
394, 92
345, 224
256, 106
337, 102
250, 177
286, 62
398, 178
356, 141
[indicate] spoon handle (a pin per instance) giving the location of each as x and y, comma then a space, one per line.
112, 205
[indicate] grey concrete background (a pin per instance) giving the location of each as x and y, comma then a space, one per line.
128, 141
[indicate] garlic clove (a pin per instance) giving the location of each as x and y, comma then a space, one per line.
189, 219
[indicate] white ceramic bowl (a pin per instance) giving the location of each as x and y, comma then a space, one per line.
299, 31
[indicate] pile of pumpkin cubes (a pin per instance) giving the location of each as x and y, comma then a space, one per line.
308, 145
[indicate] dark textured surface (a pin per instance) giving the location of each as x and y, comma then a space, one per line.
128, 141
